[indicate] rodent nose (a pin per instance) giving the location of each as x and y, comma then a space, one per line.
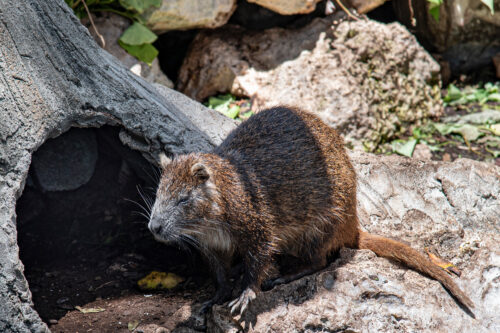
156, 229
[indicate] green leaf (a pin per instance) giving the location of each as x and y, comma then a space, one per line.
490, 5
434, 13
495, 97
404, 148
222, 104
232, 112
434, 6
467, 131
137, 34
443, 129
213, 102
145, 52
139, 5
453, 93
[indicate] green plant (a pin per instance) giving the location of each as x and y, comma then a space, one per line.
228, 106
489, 93
137, 39
435, 5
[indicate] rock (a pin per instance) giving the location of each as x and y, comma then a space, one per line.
450, 207
111, 27
66, 162
367, 79
422, 152
288, 7
254, 17
466, 32
189, 14
496, 63
365, 6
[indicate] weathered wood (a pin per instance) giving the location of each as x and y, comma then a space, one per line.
52, 77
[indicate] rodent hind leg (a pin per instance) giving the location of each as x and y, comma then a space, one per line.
317, 263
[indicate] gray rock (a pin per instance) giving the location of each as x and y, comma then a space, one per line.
66, 162
367, 79
453, 208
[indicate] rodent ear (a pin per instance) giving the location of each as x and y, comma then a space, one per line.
164, 160
201, 171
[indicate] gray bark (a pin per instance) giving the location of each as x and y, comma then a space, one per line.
52, 77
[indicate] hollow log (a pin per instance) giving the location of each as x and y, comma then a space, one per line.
53, 76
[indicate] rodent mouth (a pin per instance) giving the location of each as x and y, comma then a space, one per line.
169, 240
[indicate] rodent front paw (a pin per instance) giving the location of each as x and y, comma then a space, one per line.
242, 302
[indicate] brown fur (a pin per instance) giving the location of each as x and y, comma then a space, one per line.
280, 183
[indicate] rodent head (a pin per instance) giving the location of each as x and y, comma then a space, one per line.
186, 205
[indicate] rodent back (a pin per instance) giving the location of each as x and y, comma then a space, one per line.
292, 158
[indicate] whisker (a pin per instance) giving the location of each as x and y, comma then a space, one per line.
145, 210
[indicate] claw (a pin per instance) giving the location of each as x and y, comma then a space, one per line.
242, 302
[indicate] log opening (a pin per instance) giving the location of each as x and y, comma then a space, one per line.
79, 232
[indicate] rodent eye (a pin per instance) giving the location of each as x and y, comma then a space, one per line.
183, 200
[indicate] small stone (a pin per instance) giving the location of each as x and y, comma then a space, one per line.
422, 152
62, 300
53, 321
446, 157
161, 330
328, 282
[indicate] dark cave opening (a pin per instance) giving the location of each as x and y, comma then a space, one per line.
80, 236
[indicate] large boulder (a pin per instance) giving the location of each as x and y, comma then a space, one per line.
451, 208
189, 14
288, 7
367, 79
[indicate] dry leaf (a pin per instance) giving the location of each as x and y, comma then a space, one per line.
159, 280
89, 310
133, 325
447, 266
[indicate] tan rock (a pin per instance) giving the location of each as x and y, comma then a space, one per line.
364, 6
422, 152
367, 79
288, 7
189, 14
450, 207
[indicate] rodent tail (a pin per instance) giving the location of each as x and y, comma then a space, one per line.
391, 249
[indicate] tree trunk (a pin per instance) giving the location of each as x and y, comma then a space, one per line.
53, 76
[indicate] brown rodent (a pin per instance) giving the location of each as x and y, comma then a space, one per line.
280, 183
